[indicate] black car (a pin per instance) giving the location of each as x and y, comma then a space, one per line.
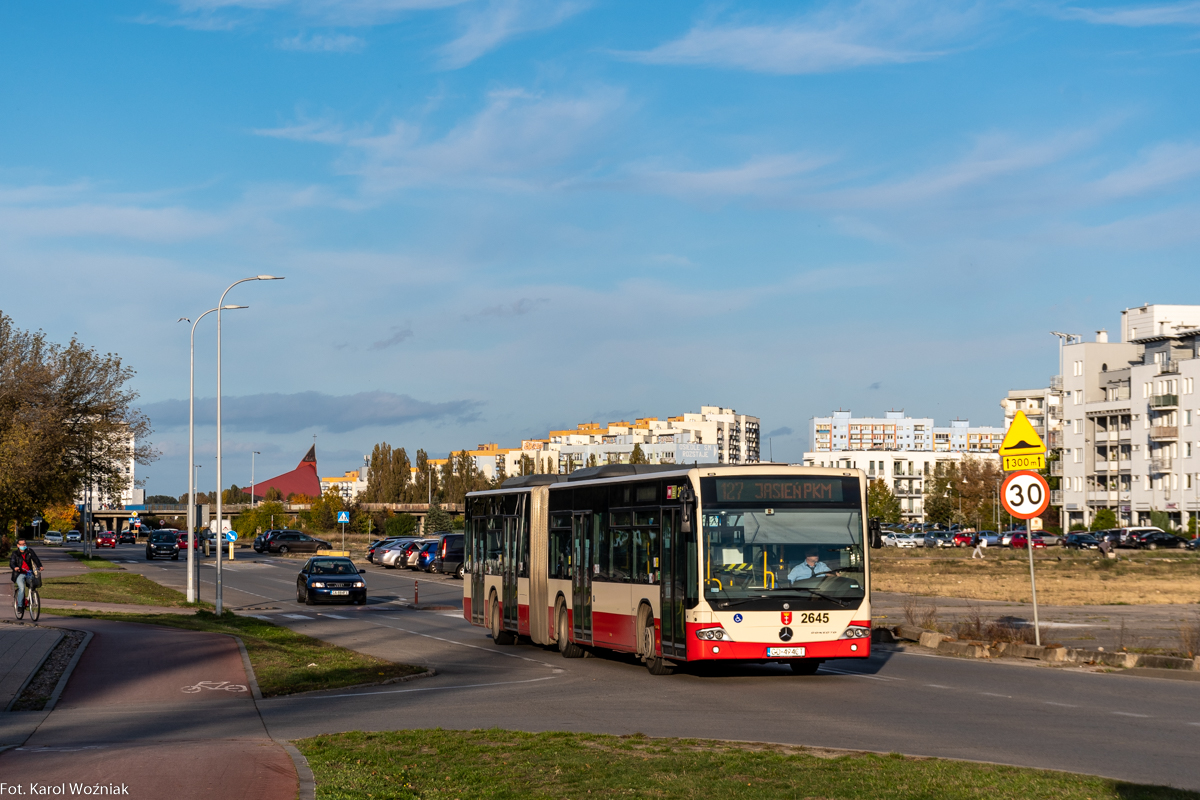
260, 541
330, 578
1194, 544
162, 543
295, 542
448, 558
1081, 541
1157, 539
127, 537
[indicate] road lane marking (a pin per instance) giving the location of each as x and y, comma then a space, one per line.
332, 616
1062, 705
423, 689
462, 644
937, 686
296, 616
993, 694
824, 667
1128, 714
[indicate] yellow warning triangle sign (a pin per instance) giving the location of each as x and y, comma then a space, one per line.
1021, 439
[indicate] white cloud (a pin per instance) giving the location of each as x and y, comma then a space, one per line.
329, 12
764, 175
1138, 16
1157, 168
323, 43
517, 140
837, 37
127, 222
498, 21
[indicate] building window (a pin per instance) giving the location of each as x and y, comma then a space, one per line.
1078, 368
1145, 390
1187, 449
1078, 395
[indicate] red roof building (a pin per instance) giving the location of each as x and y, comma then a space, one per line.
302, 480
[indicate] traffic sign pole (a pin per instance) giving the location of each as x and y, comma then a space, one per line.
1026, 495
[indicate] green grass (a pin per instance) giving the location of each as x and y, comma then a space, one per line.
430, 764
284, 661
113, 587
91, 563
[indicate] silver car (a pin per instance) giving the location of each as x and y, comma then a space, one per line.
394, 552
74, 536
53, 539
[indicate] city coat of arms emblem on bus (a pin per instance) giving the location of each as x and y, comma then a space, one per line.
786, 616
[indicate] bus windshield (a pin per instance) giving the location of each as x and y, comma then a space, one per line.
805, 555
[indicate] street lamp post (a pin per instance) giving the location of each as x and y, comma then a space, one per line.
191, 514
220, 527
253, 453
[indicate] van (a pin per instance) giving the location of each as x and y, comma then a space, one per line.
449, 556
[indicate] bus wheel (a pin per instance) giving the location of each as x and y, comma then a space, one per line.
565, 646
808, 666
499, 635
645, 648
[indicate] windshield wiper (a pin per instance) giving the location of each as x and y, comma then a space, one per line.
738, 601
822, 595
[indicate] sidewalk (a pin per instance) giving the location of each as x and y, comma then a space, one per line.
166, 712
22, 651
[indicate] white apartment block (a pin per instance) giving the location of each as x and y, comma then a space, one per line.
349, 486
129, 494
904, 471
1130, 420
894, 431
714, 435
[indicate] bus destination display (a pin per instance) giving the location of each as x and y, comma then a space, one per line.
801, 490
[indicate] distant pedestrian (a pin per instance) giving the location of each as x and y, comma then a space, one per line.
980, 543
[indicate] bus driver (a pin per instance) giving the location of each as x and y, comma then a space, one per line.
810, 567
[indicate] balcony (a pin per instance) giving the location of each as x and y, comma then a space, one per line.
1161, 432
1056, 383
1102, 497
1056, 468
1160, 465
1106, 466
1164, 401
1054, 440
1056, 497
1169, 367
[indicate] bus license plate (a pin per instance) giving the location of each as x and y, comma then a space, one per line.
340, 591
785, 651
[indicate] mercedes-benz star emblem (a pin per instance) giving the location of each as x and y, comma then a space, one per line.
785, 635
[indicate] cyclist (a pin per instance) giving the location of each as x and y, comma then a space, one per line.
23, 562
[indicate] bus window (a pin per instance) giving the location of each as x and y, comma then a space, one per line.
621, 556
494, 545
645, 547
602, 550
560, 546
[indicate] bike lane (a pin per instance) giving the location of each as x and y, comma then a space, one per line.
164, 712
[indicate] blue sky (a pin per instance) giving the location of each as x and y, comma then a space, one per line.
500, 217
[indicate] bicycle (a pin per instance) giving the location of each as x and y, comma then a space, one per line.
32, 601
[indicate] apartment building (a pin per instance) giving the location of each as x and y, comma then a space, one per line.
349, 485
894, 431
712, 435
1130, 420
904, 471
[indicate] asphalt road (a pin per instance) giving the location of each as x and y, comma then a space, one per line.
1132, 728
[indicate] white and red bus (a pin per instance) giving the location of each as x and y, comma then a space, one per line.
676, 564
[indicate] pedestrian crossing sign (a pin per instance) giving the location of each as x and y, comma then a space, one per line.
1022, 448
343, 516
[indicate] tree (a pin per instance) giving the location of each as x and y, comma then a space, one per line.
526, 464
263, 517
401, 525
1159, 519
322, 512
62, 517
437, 519
167, 500
637, 456
273, 495
591, 462
1104, 520
234, 495
881, 503
67, 421
389, 475
941, 498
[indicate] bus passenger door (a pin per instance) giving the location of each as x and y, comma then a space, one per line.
509, 571
478, 559
581, 578
671, 585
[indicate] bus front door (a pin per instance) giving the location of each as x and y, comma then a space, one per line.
581, 578
509, 572
478, 559
671, 585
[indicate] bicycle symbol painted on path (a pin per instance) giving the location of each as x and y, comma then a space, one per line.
214, 686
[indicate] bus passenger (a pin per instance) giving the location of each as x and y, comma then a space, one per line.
810, 567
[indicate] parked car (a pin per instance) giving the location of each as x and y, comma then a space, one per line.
1051, 539
181, 539
426, 556
74, 536
413, 560
375, 552
330, 578
938, 539
127, 537
1194, 544
1020, 540
1081, 541
296, 542
1155, 540
1006, 537
1129, 536
398, 554
106, 539
450, 558
260, 541
162, 543
964, 539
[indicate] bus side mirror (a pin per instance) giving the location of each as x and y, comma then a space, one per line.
687, 497
875, 532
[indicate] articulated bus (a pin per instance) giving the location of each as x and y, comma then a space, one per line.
676, 564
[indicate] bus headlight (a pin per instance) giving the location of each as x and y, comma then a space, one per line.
856, 632
713, 635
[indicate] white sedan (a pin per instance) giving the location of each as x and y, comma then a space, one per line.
898, 540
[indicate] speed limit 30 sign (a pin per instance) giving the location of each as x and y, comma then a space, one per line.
1025, 494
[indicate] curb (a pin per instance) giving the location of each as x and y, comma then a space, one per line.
428, 673
34, 671
62, 682
250, 676
304, 774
